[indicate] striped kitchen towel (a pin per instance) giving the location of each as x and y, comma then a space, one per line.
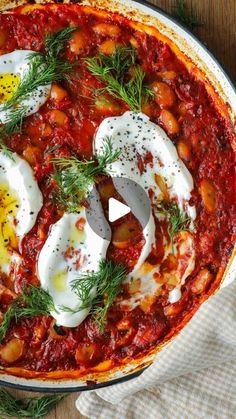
193, 377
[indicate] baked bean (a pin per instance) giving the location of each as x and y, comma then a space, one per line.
183, 150
46, 130
195, 139
201, 281
181, 108
106, 190
108, 47
85, 352
58, 117
105, 106
163, 94
208, 195
146, 303
78, 42
39, 333
133, 41
168, 75
57, 92
173, 310
147, 108
12, 350
107, 29
124, 233
170, 122
32, 154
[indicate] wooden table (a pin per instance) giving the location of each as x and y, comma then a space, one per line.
219, 34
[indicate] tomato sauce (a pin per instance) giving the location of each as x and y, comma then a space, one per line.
207, 153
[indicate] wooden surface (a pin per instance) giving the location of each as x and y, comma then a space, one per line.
219, 33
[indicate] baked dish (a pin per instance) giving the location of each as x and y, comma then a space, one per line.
87, 95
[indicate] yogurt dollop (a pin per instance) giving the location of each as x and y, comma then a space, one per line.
146, 153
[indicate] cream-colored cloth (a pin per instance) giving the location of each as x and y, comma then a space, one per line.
193, 377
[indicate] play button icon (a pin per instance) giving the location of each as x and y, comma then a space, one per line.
116, 210
134, 200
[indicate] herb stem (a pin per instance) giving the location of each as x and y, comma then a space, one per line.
186, 17
34, 407
114, 72
43, 69
74, 177
107, 283
34, 301
178, 220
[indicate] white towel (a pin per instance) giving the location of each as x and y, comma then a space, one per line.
193, 377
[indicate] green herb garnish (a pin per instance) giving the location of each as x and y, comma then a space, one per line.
186, 17
34, 407
12, 125
43, 70
114, 72
178, 220
98, 290
34, 301
74, 177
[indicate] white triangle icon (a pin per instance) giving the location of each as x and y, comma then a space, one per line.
116, 209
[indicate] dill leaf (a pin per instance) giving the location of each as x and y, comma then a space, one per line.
186, 17
178, 220
34, 407
98, 290
74, 177
113, 71
44, 68
33, 301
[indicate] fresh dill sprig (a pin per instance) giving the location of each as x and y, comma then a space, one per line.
6, 150
74, 177
114, 72
186, 17
34, 407
56, 41
52, 149
11, 126
14, 121
34, 301
108, 156
178, 220
43, 69
98, 290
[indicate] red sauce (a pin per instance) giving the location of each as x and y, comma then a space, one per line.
203, 130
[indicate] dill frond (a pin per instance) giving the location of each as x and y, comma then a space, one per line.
98, 290
75, 178
34, 407
113, 71
34, 301
178, 220
186, 17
